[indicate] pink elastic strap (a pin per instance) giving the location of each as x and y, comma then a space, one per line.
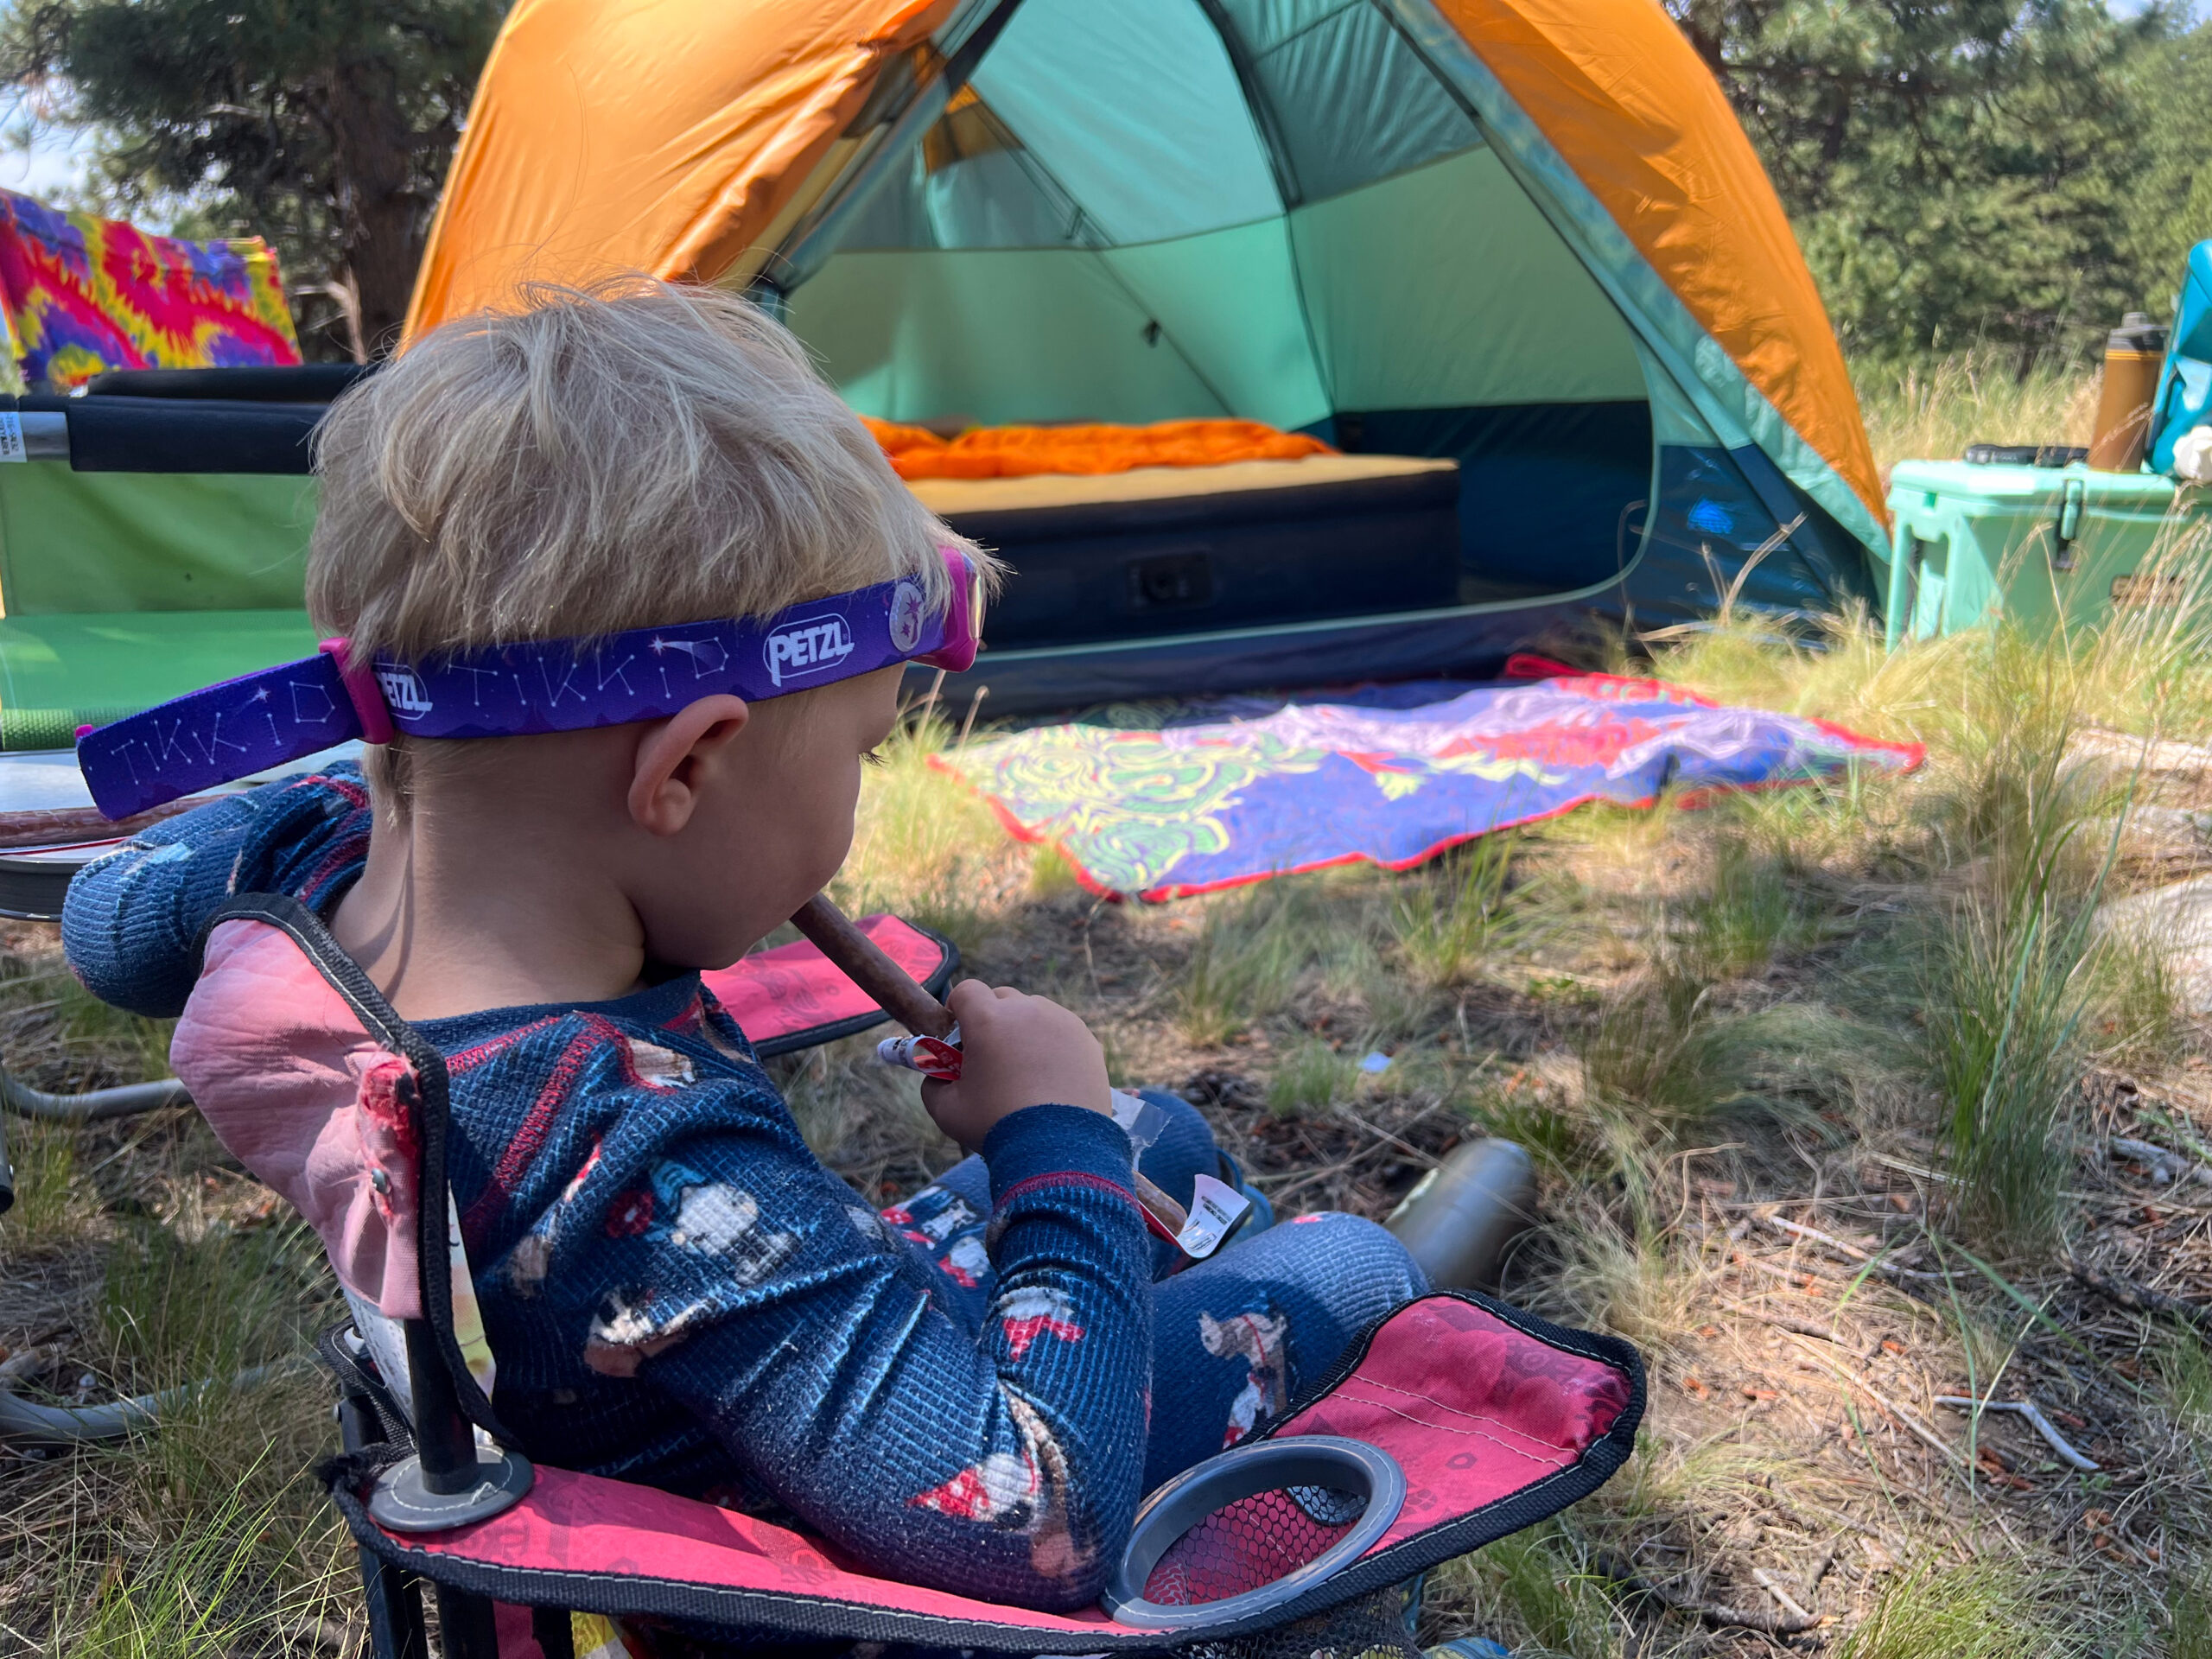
957, 653
362, 691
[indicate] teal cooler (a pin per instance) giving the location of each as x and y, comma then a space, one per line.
2046, 546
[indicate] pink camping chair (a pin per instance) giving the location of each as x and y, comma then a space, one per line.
1453, 1420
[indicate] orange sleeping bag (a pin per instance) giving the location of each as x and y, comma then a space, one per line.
1023, 451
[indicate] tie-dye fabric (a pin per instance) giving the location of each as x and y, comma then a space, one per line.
1277, 788
82, 295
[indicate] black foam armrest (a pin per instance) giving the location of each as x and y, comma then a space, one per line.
173, 435
258, 382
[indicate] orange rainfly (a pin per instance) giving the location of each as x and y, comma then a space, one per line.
1023, 451
1626, 102
668, 138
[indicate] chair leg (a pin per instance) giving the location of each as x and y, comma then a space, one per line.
555, 1636
465, 1626
395, 1605
395, 1629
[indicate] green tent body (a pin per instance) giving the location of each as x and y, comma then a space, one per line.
1100, 229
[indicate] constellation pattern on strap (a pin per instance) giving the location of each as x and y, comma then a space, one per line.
230, 730
261, 720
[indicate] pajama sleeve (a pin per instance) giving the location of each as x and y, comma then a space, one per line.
724, 1267
130, 926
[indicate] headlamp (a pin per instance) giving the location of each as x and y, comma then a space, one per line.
259, 721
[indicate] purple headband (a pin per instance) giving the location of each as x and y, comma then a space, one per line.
259, 721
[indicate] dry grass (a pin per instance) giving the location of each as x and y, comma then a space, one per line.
138, 1258
1870, 1008
1936, 409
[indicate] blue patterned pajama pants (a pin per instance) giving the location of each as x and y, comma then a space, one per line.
1235, 1339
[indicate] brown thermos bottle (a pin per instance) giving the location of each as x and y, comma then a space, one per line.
2134, 351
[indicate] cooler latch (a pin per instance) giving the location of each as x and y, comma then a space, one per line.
2071, 500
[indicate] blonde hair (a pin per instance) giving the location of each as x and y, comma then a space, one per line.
597, 460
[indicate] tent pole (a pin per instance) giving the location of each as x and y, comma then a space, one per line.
813, 239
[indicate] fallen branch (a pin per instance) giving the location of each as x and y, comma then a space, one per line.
2140, 1297
2028, 1410
1709, 1613
1824, 1561
1774, 1587
1926, 1434
2166, 1168
1799, 1506
1786, 1322
1919, 1171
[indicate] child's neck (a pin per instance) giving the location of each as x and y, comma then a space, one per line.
453, 918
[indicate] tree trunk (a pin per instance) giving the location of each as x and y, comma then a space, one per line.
371, 167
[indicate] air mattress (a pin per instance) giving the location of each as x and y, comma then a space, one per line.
1182, 549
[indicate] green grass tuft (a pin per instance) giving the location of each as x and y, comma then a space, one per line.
1311, 1078
2004, 1011
1051, 875
1463, 913
1253, 946
1531, 1590
2185, 1367
50, 1210
1986, 1611
1746, 916
2189, 1611
922, 844
174, 1310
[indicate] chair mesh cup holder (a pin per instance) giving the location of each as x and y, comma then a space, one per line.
1253, 1530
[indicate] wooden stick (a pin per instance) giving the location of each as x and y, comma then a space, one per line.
864, 961
2141, 1298
69, 826
1719, 1618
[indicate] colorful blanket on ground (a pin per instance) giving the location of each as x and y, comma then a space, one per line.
82, 295
1163, 814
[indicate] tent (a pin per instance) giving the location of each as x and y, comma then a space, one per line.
1526, 234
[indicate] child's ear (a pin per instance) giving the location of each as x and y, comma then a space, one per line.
664, 780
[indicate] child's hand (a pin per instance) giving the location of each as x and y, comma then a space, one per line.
1016, 1051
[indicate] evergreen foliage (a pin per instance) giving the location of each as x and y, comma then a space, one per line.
2171, 204
325, 125
2003, 174
1959, 171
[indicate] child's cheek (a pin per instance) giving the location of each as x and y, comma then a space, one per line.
840, 802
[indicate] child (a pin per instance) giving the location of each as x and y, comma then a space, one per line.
972, 1392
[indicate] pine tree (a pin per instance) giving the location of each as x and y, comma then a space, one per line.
324, 124
1957, 171
2170, 210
